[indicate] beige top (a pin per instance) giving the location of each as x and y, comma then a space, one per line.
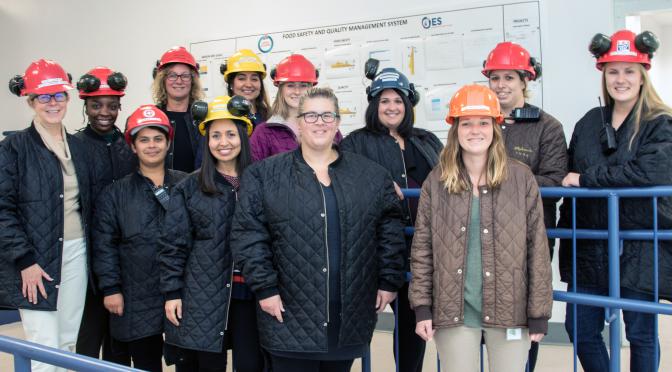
72, 218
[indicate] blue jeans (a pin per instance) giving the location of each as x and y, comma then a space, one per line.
639, 331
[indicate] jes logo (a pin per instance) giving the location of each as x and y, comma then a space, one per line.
428, 22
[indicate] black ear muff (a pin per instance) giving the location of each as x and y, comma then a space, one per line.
368, 96
222, 68
69, 77
265, 69
16, 85
371, 68
155, 70
599, 45
536, 66
117, 81
198, 69
647, 42
88, 83
199, 110
239, 106
413, 94
484, 62
317, 74
273, 73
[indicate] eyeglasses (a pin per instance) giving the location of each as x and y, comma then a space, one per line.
311, 117
186, 77
46, 98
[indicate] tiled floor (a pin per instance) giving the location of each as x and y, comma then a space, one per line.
552, 358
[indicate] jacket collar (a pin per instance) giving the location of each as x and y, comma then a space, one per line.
89, 132
298, 156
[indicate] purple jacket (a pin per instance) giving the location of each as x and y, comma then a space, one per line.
275, 137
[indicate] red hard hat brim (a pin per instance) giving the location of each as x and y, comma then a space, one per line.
102, 92
52, 89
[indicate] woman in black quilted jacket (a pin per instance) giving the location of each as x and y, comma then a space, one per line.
208, 305
45, 201
127, 224
409, 154
318, 233
627, 143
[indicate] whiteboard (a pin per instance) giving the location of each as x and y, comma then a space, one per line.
439, 52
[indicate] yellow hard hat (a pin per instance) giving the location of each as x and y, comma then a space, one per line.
222, 107
243, 60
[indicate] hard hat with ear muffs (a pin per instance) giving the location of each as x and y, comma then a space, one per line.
235, 108
176, 54
511, 56
388, 78
101, 81
295, 68
41, 77
243, 60
624, 46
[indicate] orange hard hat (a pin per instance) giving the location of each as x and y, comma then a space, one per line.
474, 100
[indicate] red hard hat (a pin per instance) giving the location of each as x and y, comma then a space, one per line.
177, 55
101, 81
474, 100
623, 48
147, 116
45, 77
509, 56
295, 68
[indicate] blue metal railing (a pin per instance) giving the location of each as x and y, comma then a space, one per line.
612, 303
25, 351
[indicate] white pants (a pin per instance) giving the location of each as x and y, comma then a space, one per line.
59, 328
459, 349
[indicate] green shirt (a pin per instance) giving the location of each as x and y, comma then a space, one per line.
473, 284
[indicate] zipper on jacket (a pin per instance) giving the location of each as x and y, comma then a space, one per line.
233, 267
405, 176
326, 243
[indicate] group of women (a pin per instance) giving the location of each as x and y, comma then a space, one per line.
234, 224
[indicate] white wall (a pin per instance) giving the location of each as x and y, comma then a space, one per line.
662, 60
130, 35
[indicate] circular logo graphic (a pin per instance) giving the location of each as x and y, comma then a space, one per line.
426, 22
149, 113
265, 44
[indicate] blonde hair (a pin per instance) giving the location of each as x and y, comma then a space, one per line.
280, 106
453, 172
322, 92
649, 105
160, 94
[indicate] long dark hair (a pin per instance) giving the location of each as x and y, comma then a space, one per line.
374, 125
261, 103
206, 177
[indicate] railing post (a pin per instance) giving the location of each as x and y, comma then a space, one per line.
21, 363
614, 284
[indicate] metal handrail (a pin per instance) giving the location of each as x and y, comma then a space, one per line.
612, 303
25, 351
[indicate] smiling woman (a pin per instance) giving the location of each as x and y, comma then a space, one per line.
101, 89
391, 139
456, 291
624, 144
44, 238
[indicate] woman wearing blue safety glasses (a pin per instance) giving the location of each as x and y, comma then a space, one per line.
44, 214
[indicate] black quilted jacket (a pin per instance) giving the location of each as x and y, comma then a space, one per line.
646, 163
31, 212
279, 238
126, 229
196, 263
112, 161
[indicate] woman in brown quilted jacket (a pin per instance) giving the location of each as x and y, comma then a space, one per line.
480, 259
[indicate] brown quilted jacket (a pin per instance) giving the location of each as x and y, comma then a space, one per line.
517, 282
